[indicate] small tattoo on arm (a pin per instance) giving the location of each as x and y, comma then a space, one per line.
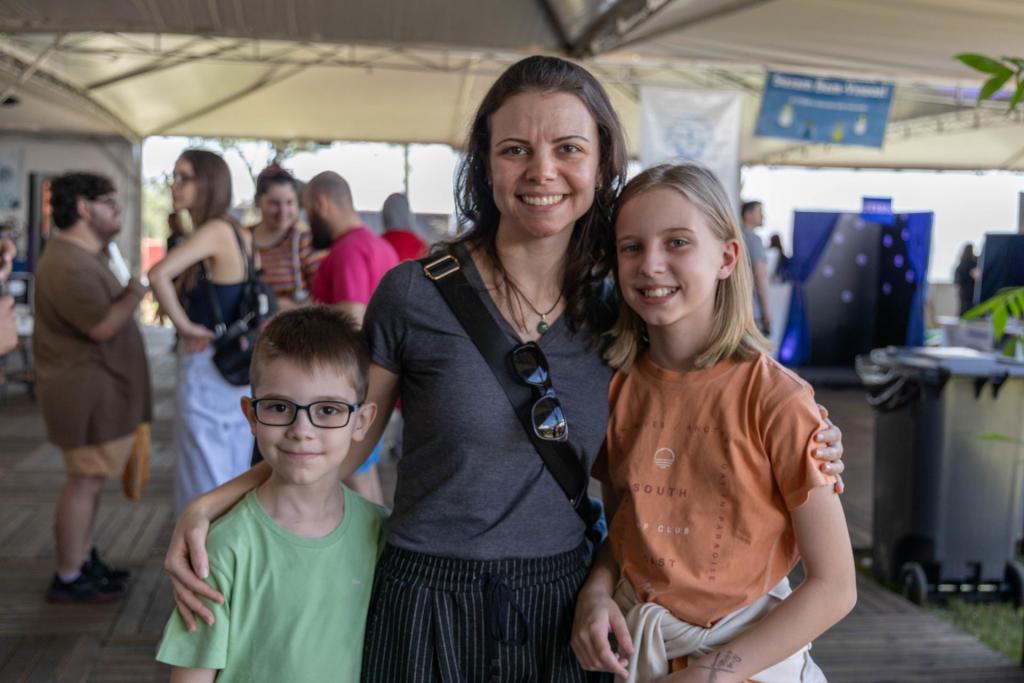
724, 662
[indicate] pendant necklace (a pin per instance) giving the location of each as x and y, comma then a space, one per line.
542, 326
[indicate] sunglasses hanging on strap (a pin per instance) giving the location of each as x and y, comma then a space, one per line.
521, 371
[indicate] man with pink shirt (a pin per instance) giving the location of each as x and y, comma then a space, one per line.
357, 259
348, 274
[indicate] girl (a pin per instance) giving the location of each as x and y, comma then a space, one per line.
717, 499
484, 559
287, 257
212, 444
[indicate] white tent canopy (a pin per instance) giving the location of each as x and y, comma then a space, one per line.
414, 71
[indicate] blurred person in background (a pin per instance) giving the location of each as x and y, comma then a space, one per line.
780, 271
964, 277
752, 214
287, 257
91, 374
400, 228
8, 327
213, 443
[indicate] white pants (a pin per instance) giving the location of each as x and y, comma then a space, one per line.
212, 439
658, 638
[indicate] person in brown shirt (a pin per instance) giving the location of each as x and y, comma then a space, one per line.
8, 328
93, 377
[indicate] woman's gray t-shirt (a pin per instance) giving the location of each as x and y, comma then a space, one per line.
471, 485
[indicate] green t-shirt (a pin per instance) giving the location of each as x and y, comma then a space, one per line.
294, 608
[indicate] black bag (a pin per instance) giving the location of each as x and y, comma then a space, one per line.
234, 342
445, 271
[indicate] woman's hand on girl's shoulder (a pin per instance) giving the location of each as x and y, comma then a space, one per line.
831, 452
185, 562
598, 618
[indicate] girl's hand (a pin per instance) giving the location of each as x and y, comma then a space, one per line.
196, 337
598, 617
185, 564
831, 450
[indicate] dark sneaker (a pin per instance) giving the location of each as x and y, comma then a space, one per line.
83, 589
98, 569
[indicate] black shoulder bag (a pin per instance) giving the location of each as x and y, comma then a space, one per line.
445, 271
234, 342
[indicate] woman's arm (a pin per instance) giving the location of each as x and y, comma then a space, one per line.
383, 391
827, 595
205, 243
597, 614
186, 562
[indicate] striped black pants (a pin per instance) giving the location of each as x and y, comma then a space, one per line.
443, 620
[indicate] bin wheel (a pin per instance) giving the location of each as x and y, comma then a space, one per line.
914, 583
1015, 582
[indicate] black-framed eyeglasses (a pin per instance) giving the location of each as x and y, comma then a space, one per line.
531, 367
280, 412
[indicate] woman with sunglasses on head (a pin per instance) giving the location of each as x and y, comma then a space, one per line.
486, 553
212, 444
287, 257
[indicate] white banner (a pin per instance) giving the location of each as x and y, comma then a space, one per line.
702, 126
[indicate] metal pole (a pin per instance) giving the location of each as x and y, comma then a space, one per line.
407, 168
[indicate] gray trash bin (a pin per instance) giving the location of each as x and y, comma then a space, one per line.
948, 493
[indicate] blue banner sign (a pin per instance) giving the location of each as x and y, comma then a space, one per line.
831, 110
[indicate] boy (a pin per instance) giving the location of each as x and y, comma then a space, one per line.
295, 559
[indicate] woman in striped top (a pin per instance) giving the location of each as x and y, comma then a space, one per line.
286, 247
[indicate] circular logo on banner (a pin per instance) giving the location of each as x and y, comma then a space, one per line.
664, 458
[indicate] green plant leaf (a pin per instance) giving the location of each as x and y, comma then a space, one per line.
1016, 61
993, 85
999, 317
982, 63
1017, 94
1014, 306
981, 309
1001, 438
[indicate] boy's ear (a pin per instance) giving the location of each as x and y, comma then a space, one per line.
249, 410
730, 257
362, 419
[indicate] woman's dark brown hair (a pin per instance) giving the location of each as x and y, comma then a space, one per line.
213, 186
588, 259
213, 200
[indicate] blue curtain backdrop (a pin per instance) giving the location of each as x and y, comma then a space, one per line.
811, 234
919, 245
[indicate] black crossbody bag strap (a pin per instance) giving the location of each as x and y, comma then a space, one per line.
464, 301
220, 327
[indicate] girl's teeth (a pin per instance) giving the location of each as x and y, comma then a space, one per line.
660, 291
543, 201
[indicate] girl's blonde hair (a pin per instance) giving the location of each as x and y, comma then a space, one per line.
733, 332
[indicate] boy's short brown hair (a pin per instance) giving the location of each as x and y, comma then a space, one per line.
314, 337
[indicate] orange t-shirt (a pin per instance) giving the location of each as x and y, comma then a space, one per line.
707, 465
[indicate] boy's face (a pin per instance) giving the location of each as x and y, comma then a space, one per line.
302, 453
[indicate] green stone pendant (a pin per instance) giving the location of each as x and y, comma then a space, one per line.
543, 327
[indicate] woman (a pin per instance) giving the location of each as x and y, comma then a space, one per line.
211, 437
964, 277
485, 552
399, 228
286, 252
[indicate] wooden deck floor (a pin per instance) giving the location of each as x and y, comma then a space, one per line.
885, 639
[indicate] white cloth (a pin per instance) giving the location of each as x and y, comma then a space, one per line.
212, 439
658, 638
